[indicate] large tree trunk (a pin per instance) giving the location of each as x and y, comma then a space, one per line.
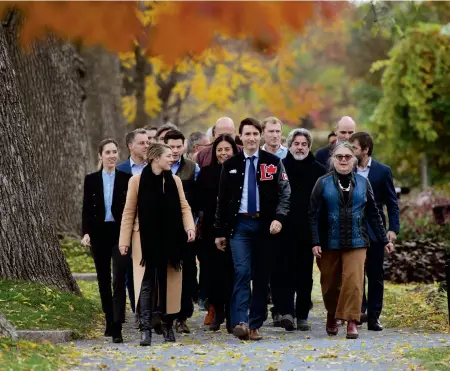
142, 70
29, 246
6, 329
49, 79
104, 118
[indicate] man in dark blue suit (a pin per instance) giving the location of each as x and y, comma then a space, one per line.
137, 143
344, 129
380, 177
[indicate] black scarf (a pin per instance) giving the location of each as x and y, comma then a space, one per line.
160, 220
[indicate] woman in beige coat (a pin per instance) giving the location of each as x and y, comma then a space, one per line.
158, 221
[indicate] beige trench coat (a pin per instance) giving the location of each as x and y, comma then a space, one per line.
129, 231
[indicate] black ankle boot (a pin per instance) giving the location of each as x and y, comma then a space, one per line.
146, 338
219, 318
117, 333
169, 335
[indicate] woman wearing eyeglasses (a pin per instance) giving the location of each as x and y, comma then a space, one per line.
342, 202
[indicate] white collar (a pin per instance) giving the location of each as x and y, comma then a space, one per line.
104, 172
256, 154
369, 164
134, 163
280, 148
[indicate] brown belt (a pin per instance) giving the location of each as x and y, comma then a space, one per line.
254, 216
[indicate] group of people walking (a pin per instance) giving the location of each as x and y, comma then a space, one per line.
254, 216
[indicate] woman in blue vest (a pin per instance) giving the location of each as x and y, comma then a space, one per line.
342, 203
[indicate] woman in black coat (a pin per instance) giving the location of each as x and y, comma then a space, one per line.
218, 264
104, 198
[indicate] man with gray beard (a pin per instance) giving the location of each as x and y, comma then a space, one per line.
296, 259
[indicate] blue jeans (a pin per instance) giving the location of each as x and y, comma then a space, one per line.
249, 248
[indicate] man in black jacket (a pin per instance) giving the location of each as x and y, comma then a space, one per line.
253, 201
295, 259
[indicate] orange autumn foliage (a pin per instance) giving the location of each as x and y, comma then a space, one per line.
177, 28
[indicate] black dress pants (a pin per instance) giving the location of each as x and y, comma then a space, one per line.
190, 287
221, 278
104, 249
373, 300
297, 279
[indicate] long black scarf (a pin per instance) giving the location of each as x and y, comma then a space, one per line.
163, 238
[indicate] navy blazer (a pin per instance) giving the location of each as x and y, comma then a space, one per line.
93, 212
125, 166
380, 178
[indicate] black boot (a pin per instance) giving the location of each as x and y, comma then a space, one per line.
108, 329
117, 333
146, 338
145, 304
219, 318
169, 335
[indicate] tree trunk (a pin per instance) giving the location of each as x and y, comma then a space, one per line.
142, 66
6, 329
104, 118
29, 246
49, 82
424, 172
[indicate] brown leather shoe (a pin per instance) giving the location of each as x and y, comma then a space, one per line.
352, 330
331, 326
241, 331
209, 318
255, 335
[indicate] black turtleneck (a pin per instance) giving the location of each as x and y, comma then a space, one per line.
345, 180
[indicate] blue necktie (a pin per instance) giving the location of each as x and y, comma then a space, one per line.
251, 203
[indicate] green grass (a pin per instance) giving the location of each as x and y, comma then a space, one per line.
32, 306
416, 306
24, 355
78, 257
432, 359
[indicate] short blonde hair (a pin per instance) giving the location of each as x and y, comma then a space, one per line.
271, 120
156, 150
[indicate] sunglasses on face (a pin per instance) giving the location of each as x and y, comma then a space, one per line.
341, 157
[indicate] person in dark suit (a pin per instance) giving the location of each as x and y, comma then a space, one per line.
137, 142
217, 266
252, 203
103, 202
294, 264
345, 128
380, 178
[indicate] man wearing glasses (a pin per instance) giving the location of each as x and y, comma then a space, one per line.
345, 128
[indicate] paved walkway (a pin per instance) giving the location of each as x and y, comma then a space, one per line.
203, 350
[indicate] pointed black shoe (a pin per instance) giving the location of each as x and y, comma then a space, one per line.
146, 338
169, 335
117, 339
374, 325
